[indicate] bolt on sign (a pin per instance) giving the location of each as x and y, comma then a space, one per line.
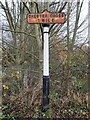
46, 17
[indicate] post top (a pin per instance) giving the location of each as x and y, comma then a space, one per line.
45, 25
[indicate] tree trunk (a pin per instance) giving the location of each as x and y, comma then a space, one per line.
39, 41
68, 48
89, 55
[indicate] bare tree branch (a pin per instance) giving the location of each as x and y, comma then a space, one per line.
58, 11
26, 7
19, 32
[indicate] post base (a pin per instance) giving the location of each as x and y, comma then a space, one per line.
44, 108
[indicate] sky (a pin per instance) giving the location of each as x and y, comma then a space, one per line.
85, 5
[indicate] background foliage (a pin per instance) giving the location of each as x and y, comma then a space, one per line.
22, 62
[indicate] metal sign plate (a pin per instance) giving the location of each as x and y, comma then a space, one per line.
46, 17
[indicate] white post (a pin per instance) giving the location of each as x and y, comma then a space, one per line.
46, 68
46, 53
